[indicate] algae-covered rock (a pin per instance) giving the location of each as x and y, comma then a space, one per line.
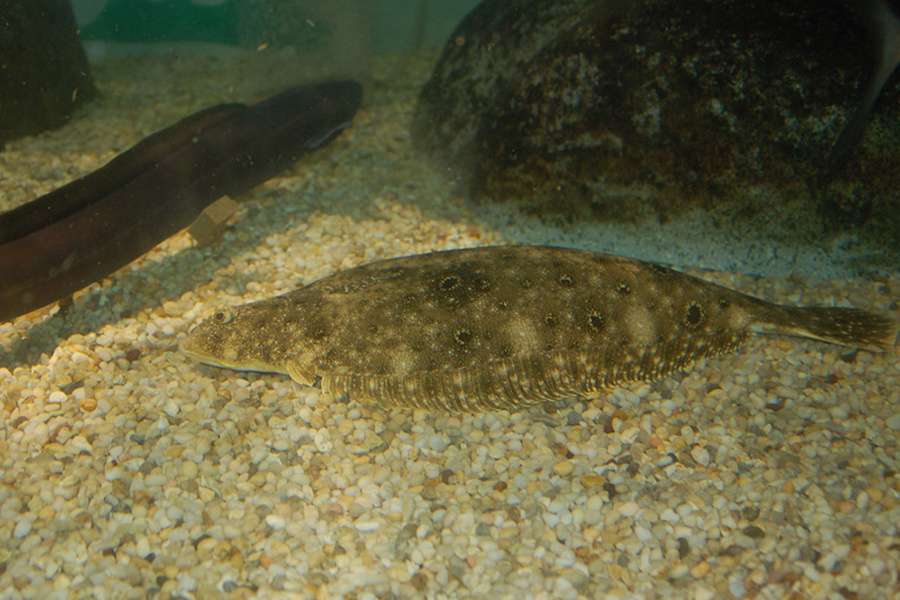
611, 108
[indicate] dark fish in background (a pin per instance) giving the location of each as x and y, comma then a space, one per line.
76, 195
84, 231
883, 29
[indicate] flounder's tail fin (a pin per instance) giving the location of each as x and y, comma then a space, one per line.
853, 327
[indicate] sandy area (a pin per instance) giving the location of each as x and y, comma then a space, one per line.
126, 471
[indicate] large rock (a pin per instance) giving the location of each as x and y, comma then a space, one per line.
43, 70
614, 107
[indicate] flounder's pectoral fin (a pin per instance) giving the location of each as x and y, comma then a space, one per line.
301, 371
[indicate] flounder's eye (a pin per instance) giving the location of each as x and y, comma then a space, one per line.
222, 316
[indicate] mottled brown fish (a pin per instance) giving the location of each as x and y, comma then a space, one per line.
502, 327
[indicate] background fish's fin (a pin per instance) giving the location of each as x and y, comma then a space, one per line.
883, 27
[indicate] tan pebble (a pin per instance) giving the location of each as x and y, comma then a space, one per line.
564, 468
784, 344
757, 577
206, 545
278, 549
223, 549
700, 570
46, 513
610, 536
846, 506
875, 494
704, 593
788, 487
189, 469
398, 572
419, 581
629, 509
88, 404
615, 571
592, 480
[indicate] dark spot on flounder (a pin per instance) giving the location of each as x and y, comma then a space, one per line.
425, 331
694, 316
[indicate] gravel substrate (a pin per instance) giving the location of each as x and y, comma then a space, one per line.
126, 471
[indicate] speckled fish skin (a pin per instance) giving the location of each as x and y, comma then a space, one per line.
502, 327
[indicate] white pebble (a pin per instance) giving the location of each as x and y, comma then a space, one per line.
643, 534
22, 529
322, 440
736, 585
171, 408
367, 526
436, 442
56, 397
77, 445
275, 522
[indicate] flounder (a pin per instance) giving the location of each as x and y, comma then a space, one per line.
502, 327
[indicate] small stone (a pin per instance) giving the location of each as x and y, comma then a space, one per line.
275, 522
629, 509
576, 577
189, 469
564, 468
592, 480
367, 526
704, 593
56, 397
700, 570
78, 445
419, 581
700, 455
894, 422
754, 532
437, 443
323, 442
23, 528
643, 534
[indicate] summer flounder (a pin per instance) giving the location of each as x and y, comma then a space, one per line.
502, 327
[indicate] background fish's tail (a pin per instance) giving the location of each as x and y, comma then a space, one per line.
845, 326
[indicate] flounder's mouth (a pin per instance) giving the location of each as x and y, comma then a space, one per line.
188, 349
